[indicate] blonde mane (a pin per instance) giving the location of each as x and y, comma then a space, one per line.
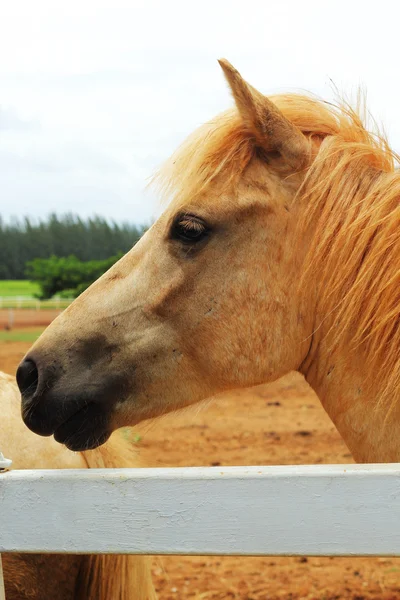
352, 198
352, 195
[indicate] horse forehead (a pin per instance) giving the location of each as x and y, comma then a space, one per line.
253, 191
259, 192
247, 200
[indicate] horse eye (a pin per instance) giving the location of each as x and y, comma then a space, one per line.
189, 229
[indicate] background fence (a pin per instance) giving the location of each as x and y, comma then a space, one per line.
26, 311
26, 302
26, 317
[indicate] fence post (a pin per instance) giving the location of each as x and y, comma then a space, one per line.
4, 465
2, 590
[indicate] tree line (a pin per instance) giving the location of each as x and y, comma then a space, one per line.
67, 276
92, 239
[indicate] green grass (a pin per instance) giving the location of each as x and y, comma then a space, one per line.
21, 335
10, 290
17, 287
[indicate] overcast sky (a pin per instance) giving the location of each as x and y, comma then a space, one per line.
94, 95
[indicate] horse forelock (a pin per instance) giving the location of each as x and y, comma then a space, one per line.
224, 146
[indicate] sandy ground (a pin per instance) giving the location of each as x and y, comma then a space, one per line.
281, 423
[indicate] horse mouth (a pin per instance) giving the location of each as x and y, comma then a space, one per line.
85, 429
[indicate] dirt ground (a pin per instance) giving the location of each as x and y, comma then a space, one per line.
281, 423
24, 317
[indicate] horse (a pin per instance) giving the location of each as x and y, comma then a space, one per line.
66, 577
278, 250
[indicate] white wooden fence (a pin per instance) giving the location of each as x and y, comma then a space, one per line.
17, 302
288, 510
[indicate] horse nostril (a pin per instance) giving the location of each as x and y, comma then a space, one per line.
27, 377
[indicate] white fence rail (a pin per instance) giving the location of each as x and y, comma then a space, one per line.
294, 510
18, 302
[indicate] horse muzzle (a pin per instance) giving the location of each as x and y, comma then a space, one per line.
68, 405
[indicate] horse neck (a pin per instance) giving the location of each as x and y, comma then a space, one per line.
350, 291
351, 397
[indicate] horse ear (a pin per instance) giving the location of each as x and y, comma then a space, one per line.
272, 131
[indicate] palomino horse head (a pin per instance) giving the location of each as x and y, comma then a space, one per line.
209, 299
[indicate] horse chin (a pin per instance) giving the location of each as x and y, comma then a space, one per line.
85, 430
79, 443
